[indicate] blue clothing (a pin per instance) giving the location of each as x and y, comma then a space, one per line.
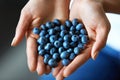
105, 67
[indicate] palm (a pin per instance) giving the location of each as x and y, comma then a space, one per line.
91, 14
33, 14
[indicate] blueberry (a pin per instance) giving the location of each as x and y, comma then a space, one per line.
42, 33
56, 56
53, 50
62, 33
43, 26
63, 27
65, 62
75, 38
84, 39
72, 28
52, 63
66, 44
64, 55
73, 44
51, 31
36, 30
42, 52
72, 56
52, 38
75, 22
79, 26
77, 32
77, 50
46, 58
40, 47
71, 32
83, 31
68, 23
47, 36
61, 49
57, 22
67, 37
60, 39
57, 44
57, 28
42, 40
48, 46
49, 24
81, 46
69, 50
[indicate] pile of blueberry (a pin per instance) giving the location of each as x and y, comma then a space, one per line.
60, 42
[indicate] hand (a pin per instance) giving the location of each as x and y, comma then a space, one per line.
92, 15
33, 14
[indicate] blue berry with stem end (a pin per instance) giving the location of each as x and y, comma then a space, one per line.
53, 38
75, 38
57, 44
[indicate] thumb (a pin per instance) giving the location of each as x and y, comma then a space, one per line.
100, 41
22, 26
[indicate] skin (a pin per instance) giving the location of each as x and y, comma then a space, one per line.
33, 14
90, 12
98, 28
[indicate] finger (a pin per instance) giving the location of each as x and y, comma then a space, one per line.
57, 69
41, 68
48, 69
60, 74
101, 38
77, 62
32, 53
22, 26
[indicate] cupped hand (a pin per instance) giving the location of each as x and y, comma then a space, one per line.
32, 15
92, 15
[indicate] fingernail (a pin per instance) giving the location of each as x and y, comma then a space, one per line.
65, 75
94, 56
13, 42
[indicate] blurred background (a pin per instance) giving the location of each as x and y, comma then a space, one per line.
13, 62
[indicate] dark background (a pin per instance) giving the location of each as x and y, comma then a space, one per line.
13, 62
